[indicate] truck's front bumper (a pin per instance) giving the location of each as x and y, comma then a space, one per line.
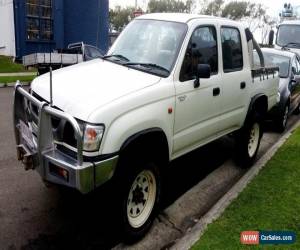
60, 169
42, 154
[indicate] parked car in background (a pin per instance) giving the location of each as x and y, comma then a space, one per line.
289, 85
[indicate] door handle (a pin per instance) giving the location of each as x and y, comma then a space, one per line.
243, 85
216, 91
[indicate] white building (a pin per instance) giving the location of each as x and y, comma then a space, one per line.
7, 28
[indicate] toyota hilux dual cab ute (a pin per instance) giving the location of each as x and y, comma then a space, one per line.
170, 84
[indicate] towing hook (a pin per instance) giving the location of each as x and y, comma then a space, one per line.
19, 154
25, 158
27, 162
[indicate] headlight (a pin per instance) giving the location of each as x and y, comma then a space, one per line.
92, 137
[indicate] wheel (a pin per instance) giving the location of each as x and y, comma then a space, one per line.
140, 199
247, 142
282, 121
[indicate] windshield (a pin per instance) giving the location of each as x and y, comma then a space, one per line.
289, 35
149, 45
283, 62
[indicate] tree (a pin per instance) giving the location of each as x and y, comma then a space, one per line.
213, 8
190, 6
251, 13
236, 10
169, 6
120, 17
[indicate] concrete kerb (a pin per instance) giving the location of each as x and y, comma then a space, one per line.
19, 74
193, 235
11, 84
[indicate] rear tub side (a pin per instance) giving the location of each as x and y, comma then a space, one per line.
41, 153
266, 82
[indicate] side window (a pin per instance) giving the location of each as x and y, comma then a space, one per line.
232, 49
202, 49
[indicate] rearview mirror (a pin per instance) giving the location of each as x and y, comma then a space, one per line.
203, 71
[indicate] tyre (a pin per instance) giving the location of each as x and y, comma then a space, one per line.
248, 142
140, 198
281, 122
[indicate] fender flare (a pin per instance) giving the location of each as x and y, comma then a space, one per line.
253, 101
138, 134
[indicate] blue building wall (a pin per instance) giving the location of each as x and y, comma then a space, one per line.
73, 21
86, 20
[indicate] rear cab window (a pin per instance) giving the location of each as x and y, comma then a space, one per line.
231, 49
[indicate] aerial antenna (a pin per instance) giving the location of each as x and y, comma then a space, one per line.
51, 87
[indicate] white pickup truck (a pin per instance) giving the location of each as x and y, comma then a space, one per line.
288, 36
170, 84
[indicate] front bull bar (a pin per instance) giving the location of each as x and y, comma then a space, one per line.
44, 127
43, 155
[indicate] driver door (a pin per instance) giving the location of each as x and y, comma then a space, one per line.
197, 109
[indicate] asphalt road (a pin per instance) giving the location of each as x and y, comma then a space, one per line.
33, 216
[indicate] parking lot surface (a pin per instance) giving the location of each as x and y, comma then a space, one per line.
33, 216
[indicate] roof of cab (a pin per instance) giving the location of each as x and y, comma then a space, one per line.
180, 17
279, 52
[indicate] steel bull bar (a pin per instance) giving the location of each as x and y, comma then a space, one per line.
36, 148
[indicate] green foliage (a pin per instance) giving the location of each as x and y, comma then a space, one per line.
236, 10
270, 202
168, 6
214, 8
120, 17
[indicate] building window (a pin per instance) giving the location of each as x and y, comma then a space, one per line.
39, 20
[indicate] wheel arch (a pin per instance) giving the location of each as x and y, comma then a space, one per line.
151, 141
258, 104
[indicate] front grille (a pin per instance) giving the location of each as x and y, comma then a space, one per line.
68, 135
62, 130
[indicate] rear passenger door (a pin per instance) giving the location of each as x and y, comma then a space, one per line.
236, 78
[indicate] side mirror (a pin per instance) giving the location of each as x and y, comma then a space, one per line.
271, 37
203, 71
296, 79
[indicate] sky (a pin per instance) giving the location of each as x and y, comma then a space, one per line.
273, 6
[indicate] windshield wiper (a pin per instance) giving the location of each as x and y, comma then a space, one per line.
293, 43
148, 65
117, 56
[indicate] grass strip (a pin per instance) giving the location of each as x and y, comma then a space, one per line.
271, 202
9, 79
8, 66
